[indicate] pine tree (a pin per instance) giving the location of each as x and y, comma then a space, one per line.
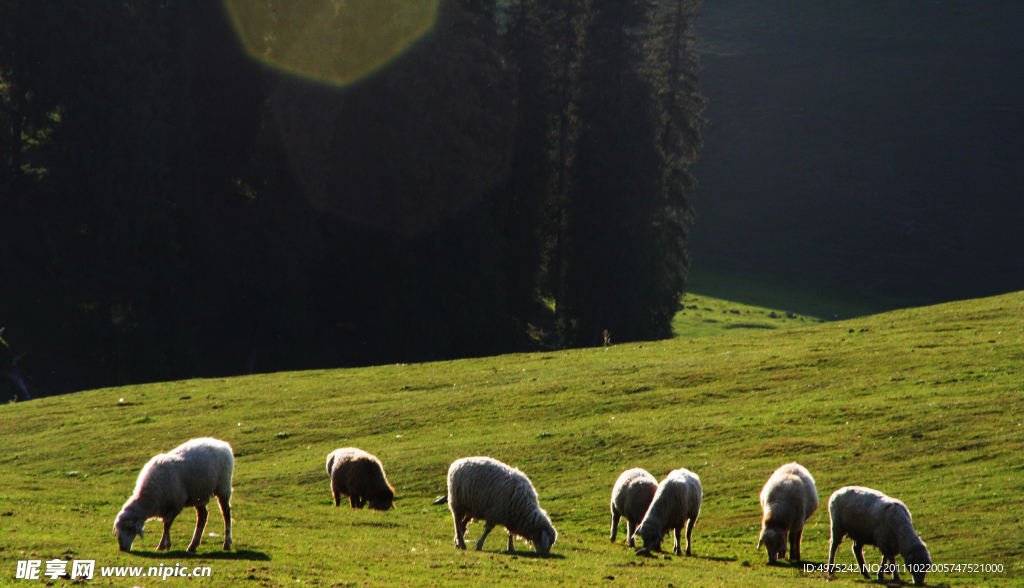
672, 71
129, 209
419, 160
619, 202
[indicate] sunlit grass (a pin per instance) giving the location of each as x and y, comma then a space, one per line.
923, 404
703, 316
797, 297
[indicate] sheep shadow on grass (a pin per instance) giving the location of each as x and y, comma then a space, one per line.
793, 565
519, 553
530, 554
648, 554
241, 554
713, 558
381, 525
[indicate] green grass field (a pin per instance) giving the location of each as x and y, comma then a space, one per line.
705, 316
922, 404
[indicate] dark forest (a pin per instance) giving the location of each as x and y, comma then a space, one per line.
170, 208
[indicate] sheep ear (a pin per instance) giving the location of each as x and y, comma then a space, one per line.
760, 541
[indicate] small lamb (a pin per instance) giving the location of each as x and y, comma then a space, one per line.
676, 504
872, 518
360, 476
485, 489
631, 496
788, 499
187, 476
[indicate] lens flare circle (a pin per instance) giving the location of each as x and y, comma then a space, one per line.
335, 41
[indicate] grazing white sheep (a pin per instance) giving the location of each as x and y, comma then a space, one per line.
676, 504
631, 495
360, 476
788, 499
485, 489
872, 518
189, 475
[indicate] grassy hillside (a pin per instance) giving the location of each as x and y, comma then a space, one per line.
803, 298
923, 404
704, 316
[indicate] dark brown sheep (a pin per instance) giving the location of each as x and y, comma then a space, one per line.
360, 476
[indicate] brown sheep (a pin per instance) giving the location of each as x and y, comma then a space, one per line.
360, 476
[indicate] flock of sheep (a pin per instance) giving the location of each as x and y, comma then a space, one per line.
488, 490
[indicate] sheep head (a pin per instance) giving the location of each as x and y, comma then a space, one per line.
918, 560
543, 540
775, 541
127, 527
651, 537
383, 504
383, 496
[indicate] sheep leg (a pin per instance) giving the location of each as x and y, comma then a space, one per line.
354, 501
689, 533
677, 547
165, 541
480, 541
630, 531
460, 531
201, 516
615, 525
858, 552
225, 509
794, 543
836, 539
511, 543
337, 496
893, 566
